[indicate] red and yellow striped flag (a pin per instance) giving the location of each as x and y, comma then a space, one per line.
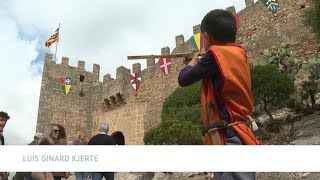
54, 38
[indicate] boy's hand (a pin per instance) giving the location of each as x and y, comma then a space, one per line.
195, 59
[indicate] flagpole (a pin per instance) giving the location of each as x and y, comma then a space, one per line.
55, 54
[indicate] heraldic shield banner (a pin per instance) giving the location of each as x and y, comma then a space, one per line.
65, 83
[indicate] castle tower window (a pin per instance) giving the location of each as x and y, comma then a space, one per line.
108, 104
113, 101
120, 98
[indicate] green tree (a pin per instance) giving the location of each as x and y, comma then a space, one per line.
270, 87
174, 132
311, 17
181, 121
183, 104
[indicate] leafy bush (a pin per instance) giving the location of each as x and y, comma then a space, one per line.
174, 132
181, 120
270, 87
183, 104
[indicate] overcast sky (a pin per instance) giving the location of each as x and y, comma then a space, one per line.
100, 31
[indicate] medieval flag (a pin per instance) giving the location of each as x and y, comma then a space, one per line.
165, 65
65, 84
54, 38
136, 80
197, 41
272, 5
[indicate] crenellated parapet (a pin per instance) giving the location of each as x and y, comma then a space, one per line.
56, 69
136, 67
151, 62
249, 3
196, 29
232, 9
179, 40
65, 61
165, 50
96, 70
107, 78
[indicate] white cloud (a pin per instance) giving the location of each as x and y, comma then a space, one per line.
18, 89
102, 32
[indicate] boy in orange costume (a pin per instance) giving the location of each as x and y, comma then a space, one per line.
226, 85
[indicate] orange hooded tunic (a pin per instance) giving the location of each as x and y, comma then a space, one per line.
235, 92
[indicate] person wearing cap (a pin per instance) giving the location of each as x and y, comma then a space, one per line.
102, 139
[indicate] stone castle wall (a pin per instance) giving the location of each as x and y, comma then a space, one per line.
134, 112
261, 29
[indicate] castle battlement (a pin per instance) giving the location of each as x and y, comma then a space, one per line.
249, 3
65, 63
65, 69
179, 40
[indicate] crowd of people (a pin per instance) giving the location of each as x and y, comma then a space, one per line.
58, 136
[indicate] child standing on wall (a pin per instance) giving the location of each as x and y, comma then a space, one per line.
226, 86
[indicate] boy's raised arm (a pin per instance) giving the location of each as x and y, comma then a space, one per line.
197, 69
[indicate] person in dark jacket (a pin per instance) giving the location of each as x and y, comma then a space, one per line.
102, 139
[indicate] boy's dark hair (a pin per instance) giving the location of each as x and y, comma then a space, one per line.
4, 115
221, 25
